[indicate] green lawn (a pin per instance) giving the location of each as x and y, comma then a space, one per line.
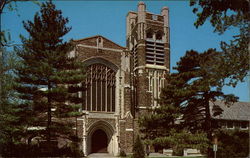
171, 157
179, 157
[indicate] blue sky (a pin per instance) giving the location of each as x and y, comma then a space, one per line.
108, 18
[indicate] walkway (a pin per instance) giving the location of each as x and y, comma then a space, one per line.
106, 155
156, 155
100, 155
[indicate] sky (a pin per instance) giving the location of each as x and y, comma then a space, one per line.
108, 18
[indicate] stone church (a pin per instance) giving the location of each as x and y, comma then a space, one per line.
122, 83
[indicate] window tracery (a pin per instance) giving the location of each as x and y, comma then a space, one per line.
156, 81
100, 89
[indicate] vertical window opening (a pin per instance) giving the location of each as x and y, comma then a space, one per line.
100, 89
150, 34
156, 83
159, 35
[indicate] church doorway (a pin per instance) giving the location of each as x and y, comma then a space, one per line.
101, 138
99, 142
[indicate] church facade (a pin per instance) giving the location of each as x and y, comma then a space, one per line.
122, 83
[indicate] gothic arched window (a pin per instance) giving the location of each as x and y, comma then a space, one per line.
149, 34
159, 35
100, 89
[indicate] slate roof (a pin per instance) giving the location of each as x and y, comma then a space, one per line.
234, 111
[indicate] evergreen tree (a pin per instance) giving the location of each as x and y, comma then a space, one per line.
163, 128
186, 97
154, 126
11, 129
48, 78
223, 16
138, 148
197, 73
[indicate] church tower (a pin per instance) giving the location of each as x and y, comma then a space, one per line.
121, 83
148, 40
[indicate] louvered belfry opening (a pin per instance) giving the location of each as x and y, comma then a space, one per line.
100, 89
155, 52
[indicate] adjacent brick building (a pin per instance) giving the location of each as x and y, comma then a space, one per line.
122, 83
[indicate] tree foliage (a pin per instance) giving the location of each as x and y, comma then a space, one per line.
199, 83
11, 129
184, 103
200, 77
48, 78
225, 15
233, 143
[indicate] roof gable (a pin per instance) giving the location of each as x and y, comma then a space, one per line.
93, 41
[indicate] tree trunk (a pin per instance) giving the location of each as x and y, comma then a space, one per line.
49, 116
207, 126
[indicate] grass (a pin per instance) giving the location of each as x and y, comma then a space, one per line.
172, 157
179, 157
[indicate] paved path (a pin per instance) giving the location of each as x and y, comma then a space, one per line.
106, 155
101, 155
156, 155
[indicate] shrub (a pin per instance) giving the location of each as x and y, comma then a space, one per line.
123, 154
25, 150
138, 149
233, 144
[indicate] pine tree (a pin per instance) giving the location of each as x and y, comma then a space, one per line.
200, 83
223, 16
154, 125
11, 128
162, 128
186, 97
138, 148
48, 78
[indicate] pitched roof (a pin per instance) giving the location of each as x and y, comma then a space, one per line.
107, 41
232, 111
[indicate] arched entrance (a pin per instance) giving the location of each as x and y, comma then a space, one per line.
99, 141
101, 138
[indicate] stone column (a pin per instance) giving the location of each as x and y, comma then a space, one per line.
85, 145
85, 150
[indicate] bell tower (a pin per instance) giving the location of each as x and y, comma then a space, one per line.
148, 41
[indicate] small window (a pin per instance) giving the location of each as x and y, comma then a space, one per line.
243, 125
150, 86
132, 25
149, 34
161, 83
230, 125
237, 124
159, 35
99, 42
222, 124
